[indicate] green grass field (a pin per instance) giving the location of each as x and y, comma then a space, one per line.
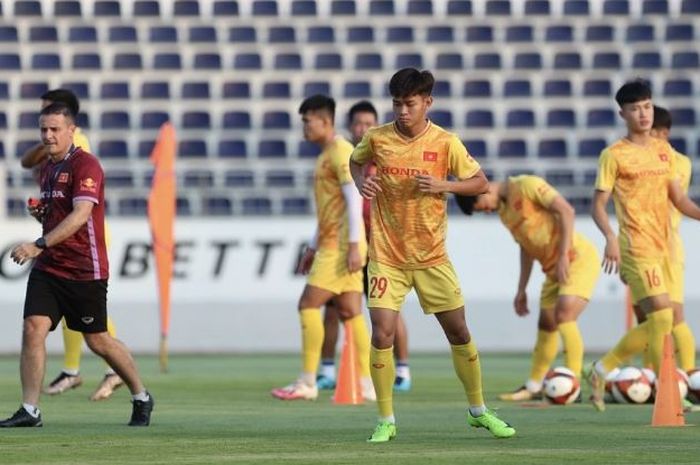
217, 409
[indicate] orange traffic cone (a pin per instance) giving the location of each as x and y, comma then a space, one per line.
347, 389
668, 410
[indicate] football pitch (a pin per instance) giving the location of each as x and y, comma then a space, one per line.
214, 409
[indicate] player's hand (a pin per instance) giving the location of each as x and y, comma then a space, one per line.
37, 209
354, 259
520, 304
563, 269
370, 187
306, 261
611, 258
429, 184
24, 252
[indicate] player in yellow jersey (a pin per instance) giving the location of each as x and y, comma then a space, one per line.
70, 378
361, 116
639, 171
336, 255
542, 223
414, 157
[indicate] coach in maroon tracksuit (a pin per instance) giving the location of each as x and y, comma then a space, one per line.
69, 276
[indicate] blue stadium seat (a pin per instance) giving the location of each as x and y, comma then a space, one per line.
690, 7
487, 61
146, 8
321, 34
517, 88
217, 206
4, 91
476, 147
67, 8
343, 8
678, 88
196, 90
591, 147
679, 144
512, 148
368, 61
477, 88
680, 32
153, 119
80, 88
683, 117
600, 33
2, 146
265, 8
449, 61
409, 60
43, 34
520, 119
122, 34
32, 90
527, 60
82, 34
114, 90
164, 34
198, 178
479, 119
683, 60
279, 178
440, 34
236, 120
360, 34
616, 7
127, 61
155, 90
288, 61
87, 61
442, 118
537, 8
655, 7
357, 89
119, 178
8, 34
144, 151
186, 8
560, 177
28, 120
646, 60
239, 178
303, 8
607, 60
199, 34
552, 148
589, 176
442, 89
597, 87
3, 125
308, 150
399, 34
567, 60
167, 61
83, 120
192, 148
381, 7
107, 8
281, 34
254, 206
520, 33
479, 34
133, 206
459, 7
498, 7
232, 148
296, 206
596, 118
225, 8
242, 34
114, 120
196, 120
236, 89
576, 8
247, 61
22, 146
46, 61
640, 33
276, 120
557, 88
559, 33
207, 61
561, 118
279, 89
112, 149
272, 148
316, 88
27, 8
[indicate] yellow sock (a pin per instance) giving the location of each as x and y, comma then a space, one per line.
360, 335
311, 339
72, 348
543, 354
573, 346
685, 346
633, 342
468, 368
383, 373
660, 324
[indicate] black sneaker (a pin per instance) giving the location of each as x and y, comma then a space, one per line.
141, 411
21, 418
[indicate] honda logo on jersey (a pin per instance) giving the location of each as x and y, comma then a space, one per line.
429, 156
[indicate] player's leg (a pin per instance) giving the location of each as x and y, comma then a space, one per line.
567, 311
349, 307
111, 380
403, 372
326, 375
69, 378
682, 334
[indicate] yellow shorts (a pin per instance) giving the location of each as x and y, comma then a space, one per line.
676, 281
329, 271
584, 271
646, 277
437, 287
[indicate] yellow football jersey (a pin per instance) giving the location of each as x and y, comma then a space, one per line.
408, 226
683, 174
81, 140
638, 177
332, 171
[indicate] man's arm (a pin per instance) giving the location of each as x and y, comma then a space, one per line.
476, 185
564, 213
33, 156
681, 200
520, 301
353, 207
611, 259
367, 186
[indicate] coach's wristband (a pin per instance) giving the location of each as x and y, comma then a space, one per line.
41, 243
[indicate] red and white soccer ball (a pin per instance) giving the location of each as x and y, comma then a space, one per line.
694, 385
683, 381
631, 386
561, 386
609, 380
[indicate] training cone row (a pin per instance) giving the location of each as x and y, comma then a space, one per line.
668, 410
347, 390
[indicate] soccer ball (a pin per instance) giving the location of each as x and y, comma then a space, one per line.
609, 380
561, 386
694, 385
683, 382
631, 386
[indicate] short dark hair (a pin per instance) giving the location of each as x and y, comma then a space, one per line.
63, 96
58, 108
633, 91
662, 118
363, 106
318, 103
409, 81
466, 203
